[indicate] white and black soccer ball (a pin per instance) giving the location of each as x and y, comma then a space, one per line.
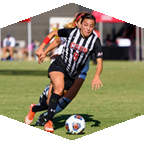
75, 124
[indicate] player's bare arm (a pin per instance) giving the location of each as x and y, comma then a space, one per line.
52, 34
96, 82
53, 45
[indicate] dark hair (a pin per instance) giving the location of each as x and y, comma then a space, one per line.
88, 16
79, 15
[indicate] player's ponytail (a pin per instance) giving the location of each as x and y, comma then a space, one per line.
76, 19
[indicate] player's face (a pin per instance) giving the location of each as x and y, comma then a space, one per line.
87, 27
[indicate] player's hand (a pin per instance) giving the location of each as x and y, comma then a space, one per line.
38, 52
41, 58
96, 83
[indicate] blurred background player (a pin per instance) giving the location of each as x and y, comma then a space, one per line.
8, 44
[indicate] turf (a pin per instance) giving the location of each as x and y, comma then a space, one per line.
120, 99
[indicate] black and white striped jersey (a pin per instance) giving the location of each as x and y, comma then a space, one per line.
78, 49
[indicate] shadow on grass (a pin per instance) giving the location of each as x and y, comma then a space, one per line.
24, 72
78, 134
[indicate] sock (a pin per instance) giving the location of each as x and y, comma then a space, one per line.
62, 104
52, 106
40, 107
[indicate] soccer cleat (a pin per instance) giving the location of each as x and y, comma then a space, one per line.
49, 127
29, 118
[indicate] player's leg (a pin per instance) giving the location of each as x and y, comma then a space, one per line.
43, 117
72, 92
70, 95
49, 93
57, 79
42, 105
44, 99
64, 101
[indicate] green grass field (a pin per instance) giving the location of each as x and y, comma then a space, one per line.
120, 99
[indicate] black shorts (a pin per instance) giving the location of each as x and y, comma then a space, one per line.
58, 66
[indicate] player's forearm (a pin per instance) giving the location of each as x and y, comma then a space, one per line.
48, 38
41, 47
53, 45
96, 82
49, 48
99, 67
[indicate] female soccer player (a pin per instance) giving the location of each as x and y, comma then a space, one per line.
67, 98
67, 67
41, 55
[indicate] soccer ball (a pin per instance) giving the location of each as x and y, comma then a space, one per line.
75, 124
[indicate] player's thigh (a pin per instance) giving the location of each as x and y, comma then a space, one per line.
57, 79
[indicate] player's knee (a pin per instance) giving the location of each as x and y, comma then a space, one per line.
59, 90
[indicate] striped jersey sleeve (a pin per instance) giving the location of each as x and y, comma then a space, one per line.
98, 49
64, 32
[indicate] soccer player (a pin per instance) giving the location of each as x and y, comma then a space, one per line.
42, 105
67, 67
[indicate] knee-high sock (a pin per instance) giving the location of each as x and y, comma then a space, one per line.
62, 104
52, 106
40, 106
